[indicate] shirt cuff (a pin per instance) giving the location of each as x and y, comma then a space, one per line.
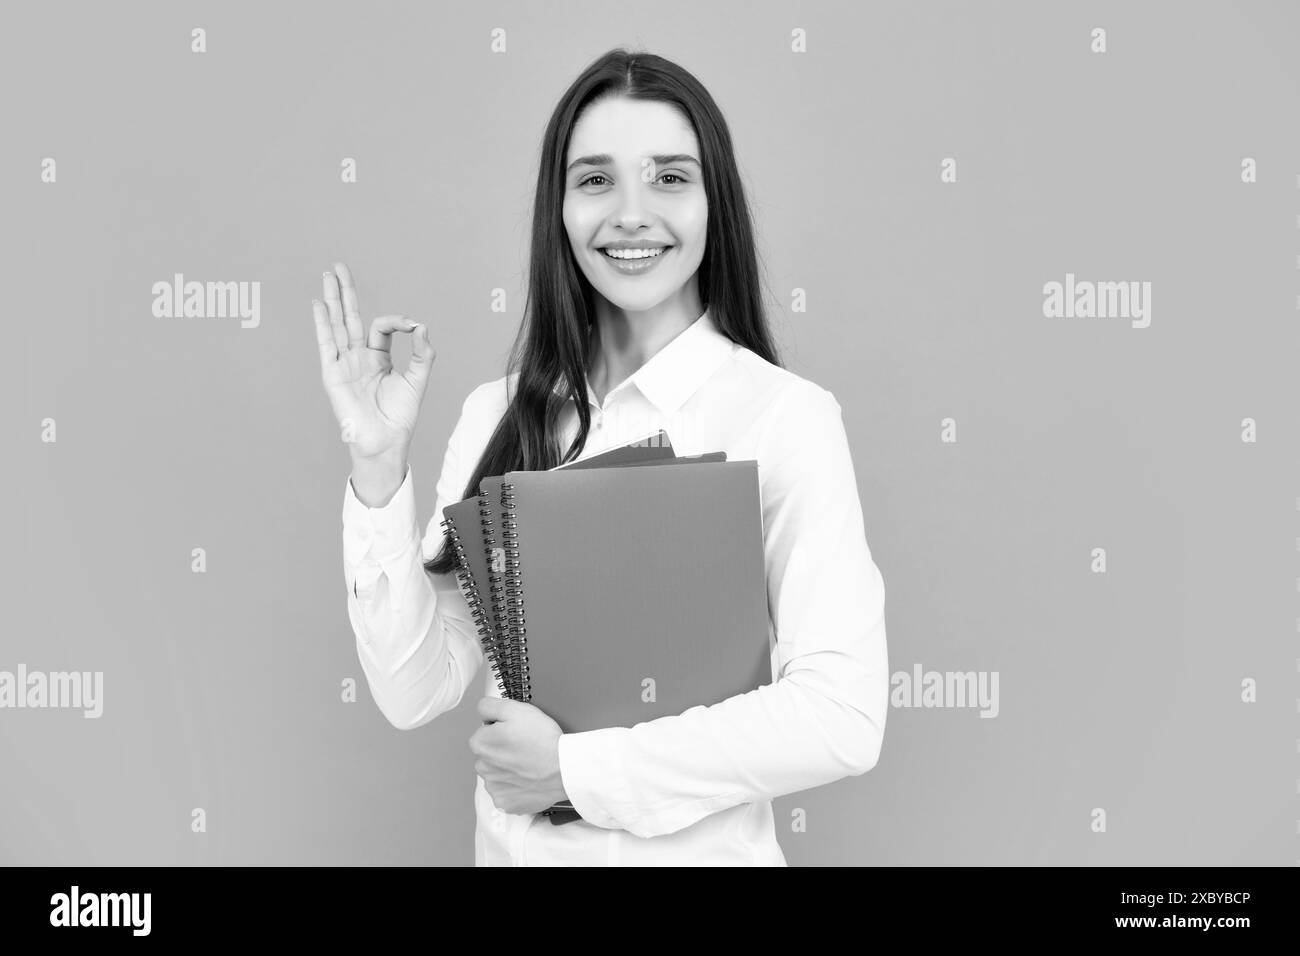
382, 533
591, 769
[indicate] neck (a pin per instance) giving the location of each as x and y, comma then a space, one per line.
623, 341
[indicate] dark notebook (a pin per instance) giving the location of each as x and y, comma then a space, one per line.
471, 526
637, 592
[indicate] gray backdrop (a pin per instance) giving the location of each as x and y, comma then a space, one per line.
1163, 691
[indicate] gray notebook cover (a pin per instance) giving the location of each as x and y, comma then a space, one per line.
494, 563
644, 589
474, 522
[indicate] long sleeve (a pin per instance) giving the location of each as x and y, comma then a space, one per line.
415, 635
823, 717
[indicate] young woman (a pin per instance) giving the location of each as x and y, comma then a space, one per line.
643, 313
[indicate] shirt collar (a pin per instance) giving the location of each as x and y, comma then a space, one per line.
676, 372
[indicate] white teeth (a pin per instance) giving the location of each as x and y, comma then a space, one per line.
633, 253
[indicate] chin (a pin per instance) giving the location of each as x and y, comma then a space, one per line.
634, 303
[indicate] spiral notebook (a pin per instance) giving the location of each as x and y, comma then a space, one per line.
471, 526
494, 545
634, 593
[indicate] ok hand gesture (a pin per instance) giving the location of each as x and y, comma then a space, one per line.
376, 407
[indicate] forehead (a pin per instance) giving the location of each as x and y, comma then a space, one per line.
629, 128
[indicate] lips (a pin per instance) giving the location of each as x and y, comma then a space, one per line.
637, 264
649, 252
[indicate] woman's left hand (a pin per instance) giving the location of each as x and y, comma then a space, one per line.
518, 752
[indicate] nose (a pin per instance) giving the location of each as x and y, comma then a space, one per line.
631, 212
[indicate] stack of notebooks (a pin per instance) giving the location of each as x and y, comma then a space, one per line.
618, 589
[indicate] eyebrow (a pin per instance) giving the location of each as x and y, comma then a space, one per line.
662, 159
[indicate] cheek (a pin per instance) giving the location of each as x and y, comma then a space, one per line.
570, 227
693, 223
578, 222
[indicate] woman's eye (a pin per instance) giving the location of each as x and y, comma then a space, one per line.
591, 180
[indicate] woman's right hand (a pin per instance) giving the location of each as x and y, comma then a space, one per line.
375, 406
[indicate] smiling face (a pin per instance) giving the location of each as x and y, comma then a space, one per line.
634, 205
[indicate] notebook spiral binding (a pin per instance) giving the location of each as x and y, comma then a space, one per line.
516, 626
482, 619
494, 603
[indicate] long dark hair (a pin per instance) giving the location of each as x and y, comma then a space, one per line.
558, 311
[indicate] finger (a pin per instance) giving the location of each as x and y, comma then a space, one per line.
329, 351
492, 708
351, 314
335, 310
503, 708
422, 356
382, 329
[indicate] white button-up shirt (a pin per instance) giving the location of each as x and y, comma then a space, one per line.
694, 788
